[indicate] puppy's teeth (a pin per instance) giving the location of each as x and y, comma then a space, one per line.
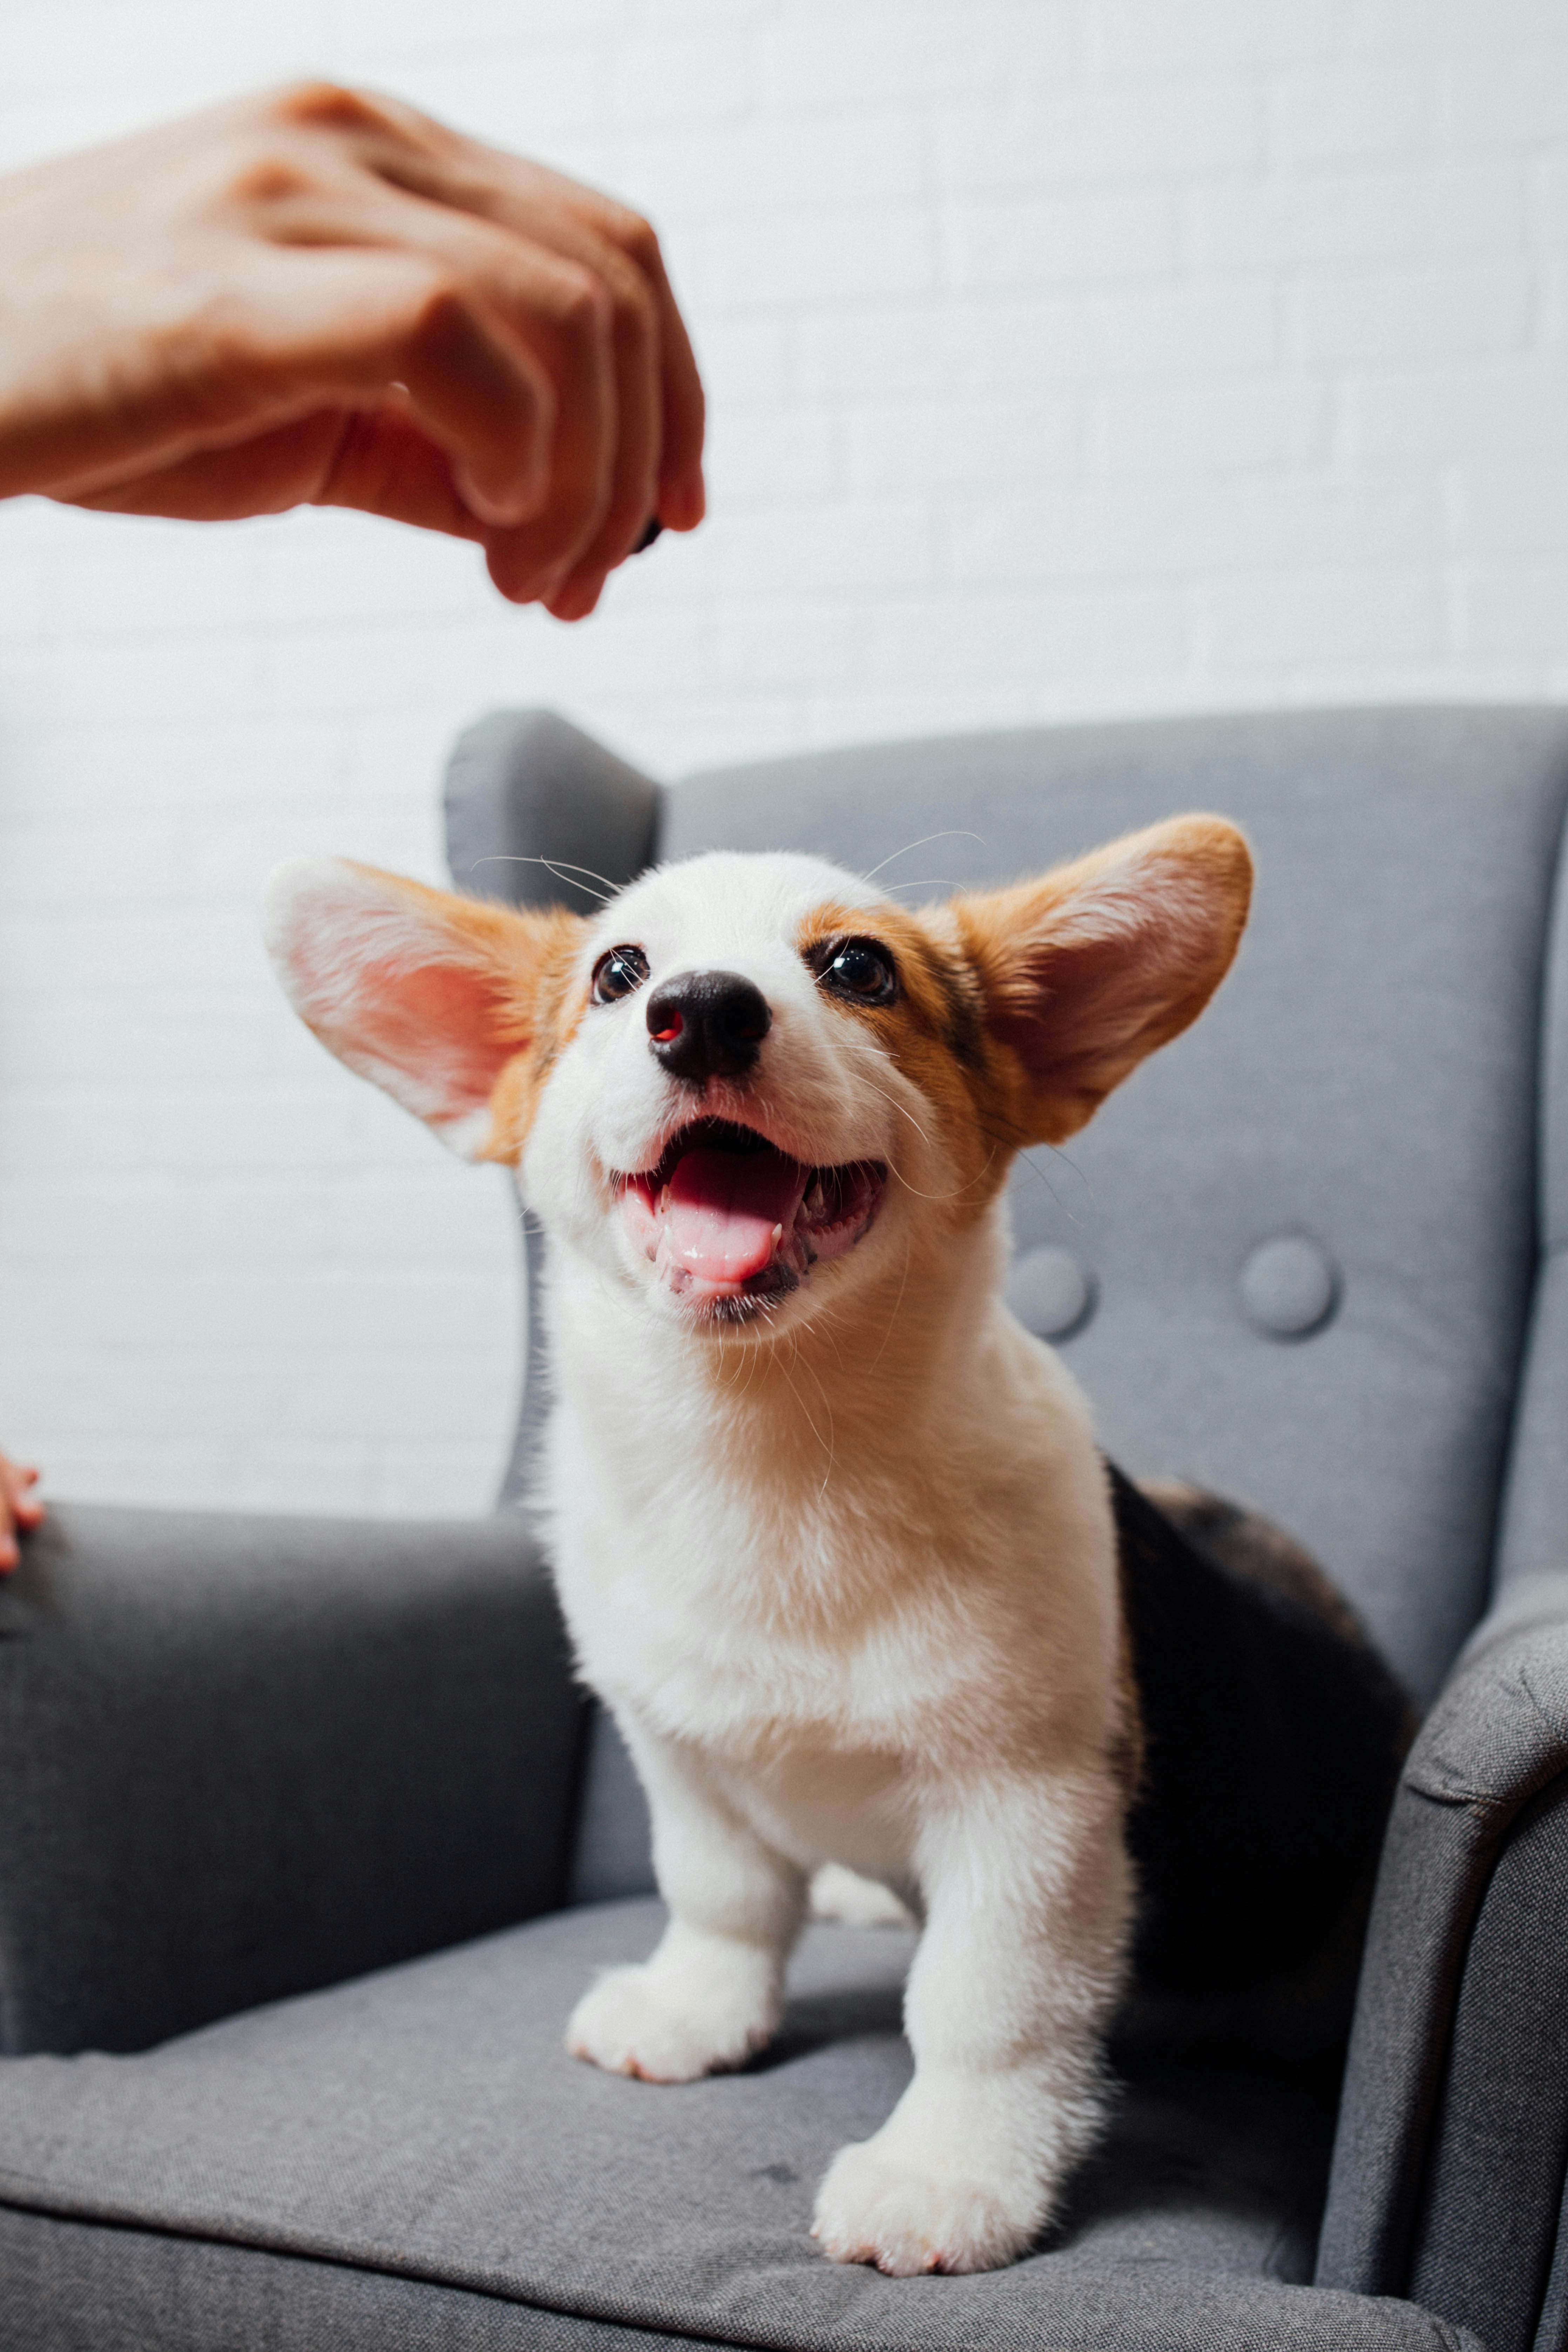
778, 1236
664, 1201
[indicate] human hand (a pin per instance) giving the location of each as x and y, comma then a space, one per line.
18, 1508
321, 297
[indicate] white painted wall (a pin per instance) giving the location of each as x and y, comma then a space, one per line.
1066, 357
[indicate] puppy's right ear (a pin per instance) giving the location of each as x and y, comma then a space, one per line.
428, 996
1092, 966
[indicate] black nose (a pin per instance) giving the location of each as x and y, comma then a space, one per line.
707, 1025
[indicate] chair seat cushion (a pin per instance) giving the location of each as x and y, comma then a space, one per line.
413, 2159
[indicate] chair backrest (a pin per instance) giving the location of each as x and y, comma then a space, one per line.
1294, 1256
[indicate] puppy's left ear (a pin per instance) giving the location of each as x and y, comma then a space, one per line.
1089, 969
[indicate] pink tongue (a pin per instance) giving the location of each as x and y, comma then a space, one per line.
723, 1208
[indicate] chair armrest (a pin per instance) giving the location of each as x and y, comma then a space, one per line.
1449, 2169
244, 1757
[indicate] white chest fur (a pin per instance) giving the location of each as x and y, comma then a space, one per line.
827, 1614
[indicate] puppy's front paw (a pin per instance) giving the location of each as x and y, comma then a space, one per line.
636, 2021
909, 2217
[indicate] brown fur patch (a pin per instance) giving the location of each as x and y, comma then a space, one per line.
1019, 1010
935, 1032
1091, 968
550, 999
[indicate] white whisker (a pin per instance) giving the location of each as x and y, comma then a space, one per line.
951, 832
903, 1285
823, 1442
562, 869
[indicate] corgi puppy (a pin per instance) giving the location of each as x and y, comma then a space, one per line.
832, 1533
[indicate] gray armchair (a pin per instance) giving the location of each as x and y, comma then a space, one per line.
306, 1845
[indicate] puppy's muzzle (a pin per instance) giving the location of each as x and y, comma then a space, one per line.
707, 1025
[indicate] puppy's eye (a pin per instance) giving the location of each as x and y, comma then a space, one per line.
617, 973
858, 969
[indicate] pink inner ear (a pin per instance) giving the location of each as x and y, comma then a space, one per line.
1084, 1007
434, 1033
438, 1025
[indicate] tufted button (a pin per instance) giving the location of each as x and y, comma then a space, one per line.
1050, 1292
1289, 1287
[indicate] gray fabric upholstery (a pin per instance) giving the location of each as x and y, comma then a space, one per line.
1453, 2136
1488, 2224
1535, 1527
424, 2130
241, 1757
613, 1853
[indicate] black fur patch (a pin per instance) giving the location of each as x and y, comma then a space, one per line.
1273, 1736
961, 1030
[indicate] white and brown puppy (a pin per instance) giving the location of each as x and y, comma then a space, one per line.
831, 1531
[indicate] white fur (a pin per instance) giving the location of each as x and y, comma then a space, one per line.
849, 1583
839, 1893
845, 1574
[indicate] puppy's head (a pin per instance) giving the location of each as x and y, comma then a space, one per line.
750, 1081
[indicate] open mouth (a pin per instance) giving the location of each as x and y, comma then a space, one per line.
726, 1216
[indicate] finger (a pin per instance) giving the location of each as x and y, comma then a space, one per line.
680, 497
532, 558
583, 226
310, 331
581, 338
682, 491
17, 1480
377, 460
444, 339
356, 134
384, 463
633, 491
18, 1508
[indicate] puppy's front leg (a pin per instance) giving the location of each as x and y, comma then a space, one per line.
1027, 1896
710, 1993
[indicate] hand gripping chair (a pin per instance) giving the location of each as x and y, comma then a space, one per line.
307, 1843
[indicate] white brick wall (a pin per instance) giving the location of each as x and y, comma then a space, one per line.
1066, 357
